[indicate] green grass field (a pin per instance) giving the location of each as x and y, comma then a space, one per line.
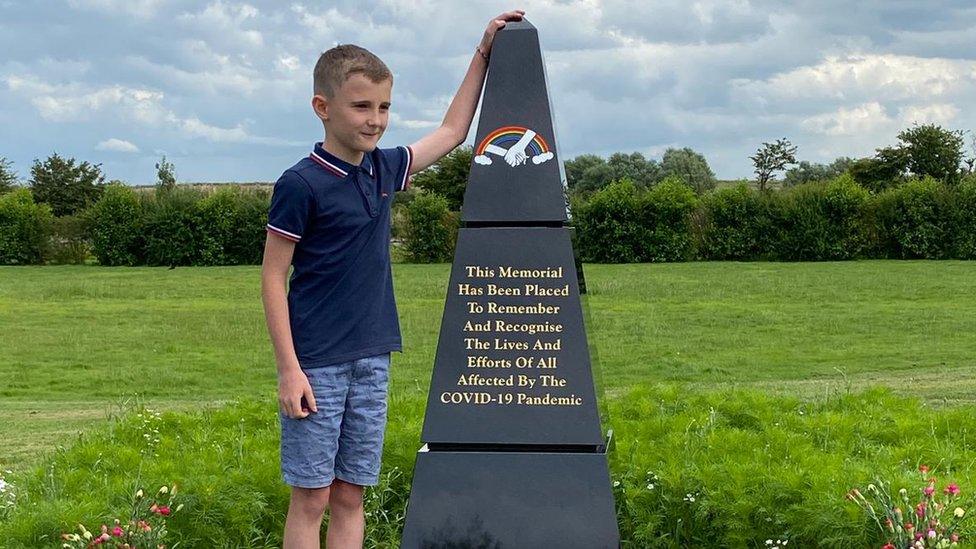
79, 342
748, 386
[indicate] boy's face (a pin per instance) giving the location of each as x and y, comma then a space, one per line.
356, 116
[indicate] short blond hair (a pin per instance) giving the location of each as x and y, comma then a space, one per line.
341, 62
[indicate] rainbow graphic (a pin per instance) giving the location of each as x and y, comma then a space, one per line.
507, 136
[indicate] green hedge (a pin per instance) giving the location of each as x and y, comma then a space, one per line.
820, 221
25, 229
622, 223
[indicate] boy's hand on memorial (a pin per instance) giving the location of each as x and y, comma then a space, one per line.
497, 24
293, 392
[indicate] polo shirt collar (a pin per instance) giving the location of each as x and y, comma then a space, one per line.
337, 165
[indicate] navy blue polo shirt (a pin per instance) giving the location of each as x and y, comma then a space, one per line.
340, 297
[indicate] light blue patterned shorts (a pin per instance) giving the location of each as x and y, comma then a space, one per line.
344, 439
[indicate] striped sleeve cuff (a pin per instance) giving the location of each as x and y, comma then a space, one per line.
283, 233
406, 173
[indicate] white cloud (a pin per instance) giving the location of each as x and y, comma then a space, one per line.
892, 77
866, 118
117, 145
69, 103
937, 113
139, 8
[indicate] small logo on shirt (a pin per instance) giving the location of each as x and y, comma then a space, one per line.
515, 144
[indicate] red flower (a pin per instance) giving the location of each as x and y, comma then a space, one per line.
164, 510
118, 532
920, 510
888, 546
952, 489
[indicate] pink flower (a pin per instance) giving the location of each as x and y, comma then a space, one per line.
952, 489
920, 510
929, 490
954, 538
117, 532
932, 534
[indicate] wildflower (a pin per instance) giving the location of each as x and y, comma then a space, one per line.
769, 542
888, 546
923, 469
932, 534
954, 538
164, 510
952, 489
163, 489
650, 486
118, 532
139, 493
909, 526
928, 490
959, 512
920, 510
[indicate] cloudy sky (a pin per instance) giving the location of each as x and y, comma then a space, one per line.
222, 88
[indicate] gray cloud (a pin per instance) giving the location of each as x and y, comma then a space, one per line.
223, 87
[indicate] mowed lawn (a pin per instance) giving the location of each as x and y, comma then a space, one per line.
78, 343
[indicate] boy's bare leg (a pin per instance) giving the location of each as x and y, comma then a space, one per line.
346, 521
304, 522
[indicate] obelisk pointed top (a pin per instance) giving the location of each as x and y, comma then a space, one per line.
515, 177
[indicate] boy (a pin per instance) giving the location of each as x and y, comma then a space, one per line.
335, 329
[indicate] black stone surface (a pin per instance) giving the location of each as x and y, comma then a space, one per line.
476, 410
516, 99
506, 500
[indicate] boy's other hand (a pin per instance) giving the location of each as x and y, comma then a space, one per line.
293, 392
497, 24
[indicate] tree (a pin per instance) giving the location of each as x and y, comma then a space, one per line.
8, 177
576, 167
884, 170
68, 188
690, 166
772, 158
165, 176
933, 151
805, 172
633, 166
448, 176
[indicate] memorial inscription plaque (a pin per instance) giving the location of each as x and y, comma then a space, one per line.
514, 453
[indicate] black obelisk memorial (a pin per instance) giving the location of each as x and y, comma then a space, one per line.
514, 454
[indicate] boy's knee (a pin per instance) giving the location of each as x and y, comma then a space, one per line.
345, 496
311, 501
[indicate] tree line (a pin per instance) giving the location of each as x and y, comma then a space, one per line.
66, 212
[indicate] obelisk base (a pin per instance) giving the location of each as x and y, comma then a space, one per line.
494, 500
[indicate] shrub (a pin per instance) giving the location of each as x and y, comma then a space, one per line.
115, 225
25, 228
607, 225
734, 223
913, 221
173, 230
666, 215
232, 224
966, 218
69, 240
431, 229
822, 221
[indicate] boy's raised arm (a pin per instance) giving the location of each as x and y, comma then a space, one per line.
457, 120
